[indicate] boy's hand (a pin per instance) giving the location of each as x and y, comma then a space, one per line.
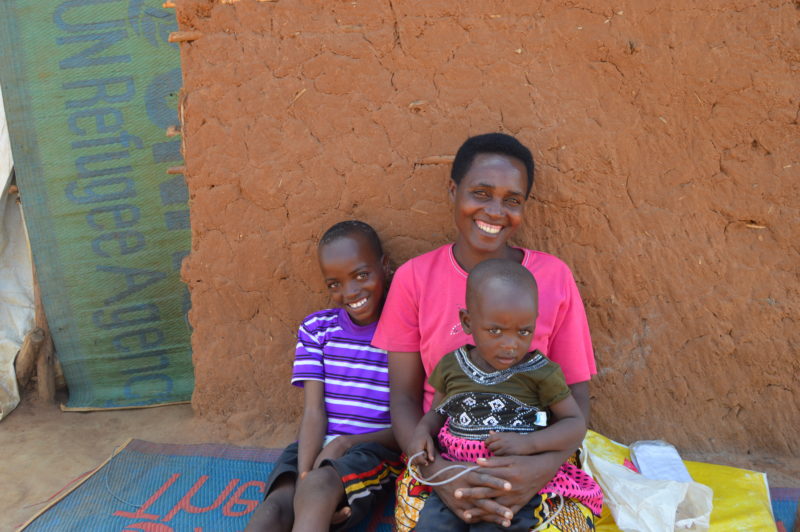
335, 449
509, 443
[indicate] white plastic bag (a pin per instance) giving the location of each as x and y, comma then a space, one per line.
639, 504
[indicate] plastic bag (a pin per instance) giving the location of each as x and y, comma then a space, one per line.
645, 505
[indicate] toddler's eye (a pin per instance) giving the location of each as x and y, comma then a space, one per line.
524, 332
494, 330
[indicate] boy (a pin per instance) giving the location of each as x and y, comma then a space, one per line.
345, 454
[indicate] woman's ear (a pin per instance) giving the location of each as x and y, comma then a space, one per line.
451, 190
463, 315
385, 265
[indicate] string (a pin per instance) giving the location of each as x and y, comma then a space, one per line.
429, 481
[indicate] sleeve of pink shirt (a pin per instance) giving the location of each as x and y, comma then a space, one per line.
398, 327
571, 344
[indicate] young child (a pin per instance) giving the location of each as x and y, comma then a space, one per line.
345, 454
494, 397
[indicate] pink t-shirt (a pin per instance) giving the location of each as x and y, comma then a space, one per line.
421, 313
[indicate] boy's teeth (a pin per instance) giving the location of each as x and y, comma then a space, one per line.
489, 228
358, 304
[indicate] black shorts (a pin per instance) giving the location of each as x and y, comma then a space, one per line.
367, 471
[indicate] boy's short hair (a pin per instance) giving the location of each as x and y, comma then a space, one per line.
350, 228
505, 270
491, 143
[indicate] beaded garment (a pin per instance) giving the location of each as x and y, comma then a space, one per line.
473, 414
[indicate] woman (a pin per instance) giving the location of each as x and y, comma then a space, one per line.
491, 178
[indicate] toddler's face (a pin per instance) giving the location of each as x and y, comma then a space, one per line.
502, 323
355, 277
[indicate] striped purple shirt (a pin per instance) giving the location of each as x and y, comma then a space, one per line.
334, 350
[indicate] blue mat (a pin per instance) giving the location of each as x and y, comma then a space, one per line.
168, 487
784, 505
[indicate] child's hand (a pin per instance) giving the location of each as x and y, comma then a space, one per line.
509, 443
421, 441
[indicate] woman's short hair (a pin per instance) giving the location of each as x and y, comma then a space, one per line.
491, 143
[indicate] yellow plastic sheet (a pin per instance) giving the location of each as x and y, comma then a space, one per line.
741, 497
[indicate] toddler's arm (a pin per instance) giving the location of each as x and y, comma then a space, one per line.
312, 427
566, 432
427, 428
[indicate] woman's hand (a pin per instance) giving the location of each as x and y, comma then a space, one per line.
455, 494
526, 475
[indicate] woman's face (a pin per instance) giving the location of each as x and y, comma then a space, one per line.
489, 202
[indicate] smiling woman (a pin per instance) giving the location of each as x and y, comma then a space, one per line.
491, 178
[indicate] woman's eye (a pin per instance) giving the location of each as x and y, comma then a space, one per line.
480, 194
333, 286
514, 202
362, 276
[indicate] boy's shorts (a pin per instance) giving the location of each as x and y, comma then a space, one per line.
367, 471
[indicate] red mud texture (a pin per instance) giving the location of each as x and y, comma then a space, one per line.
667, 140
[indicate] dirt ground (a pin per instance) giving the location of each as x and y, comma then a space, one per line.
46, 448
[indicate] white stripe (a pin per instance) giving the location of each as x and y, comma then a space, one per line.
377, 369
339, 421
379, 408
315, 350
307, 362
321, 318
356, 347
357, 385
302, 379
323, 332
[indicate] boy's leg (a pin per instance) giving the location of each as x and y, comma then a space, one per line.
276, 512
316, 499
436, 516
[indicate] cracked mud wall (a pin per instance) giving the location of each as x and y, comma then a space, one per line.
666, 138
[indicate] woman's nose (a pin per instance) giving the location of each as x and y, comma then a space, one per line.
494, 208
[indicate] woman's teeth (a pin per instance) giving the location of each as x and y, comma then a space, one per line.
358, 304
488, 228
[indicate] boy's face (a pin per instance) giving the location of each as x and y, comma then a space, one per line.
502, 321
355, 277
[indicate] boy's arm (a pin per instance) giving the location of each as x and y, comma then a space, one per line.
565, 433
312, 427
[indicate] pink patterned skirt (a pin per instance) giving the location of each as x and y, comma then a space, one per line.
570, 481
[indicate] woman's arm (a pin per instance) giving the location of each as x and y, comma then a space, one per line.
580, 391
312, 427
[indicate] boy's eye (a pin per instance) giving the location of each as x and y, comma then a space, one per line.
480, 194
333, 285
524, 332
514, 202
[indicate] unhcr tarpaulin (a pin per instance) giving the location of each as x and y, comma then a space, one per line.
90, 87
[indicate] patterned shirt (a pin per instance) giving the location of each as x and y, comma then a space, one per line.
334, 350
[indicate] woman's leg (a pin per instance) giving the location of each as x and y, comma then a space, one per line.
276, 512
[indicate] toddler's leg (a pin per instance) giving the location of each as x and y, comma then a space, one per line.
435, 516
276, 512
316, 499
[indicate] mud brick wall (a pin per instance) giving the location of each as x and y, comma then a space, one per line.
667, 143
